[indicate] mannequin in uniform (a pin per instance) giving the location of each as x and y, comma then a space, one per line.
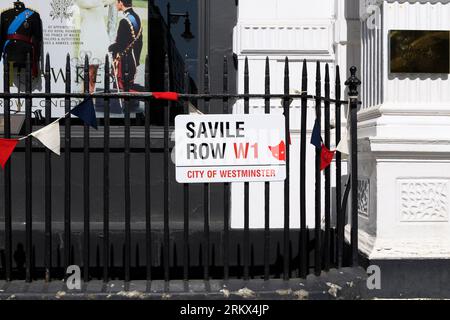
94, 35
20, 35
128, 45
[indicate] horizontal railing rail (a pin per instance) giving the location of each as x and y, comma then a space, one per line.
148, 95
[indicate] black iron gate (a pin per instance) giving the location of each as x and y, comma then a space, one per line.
327, 246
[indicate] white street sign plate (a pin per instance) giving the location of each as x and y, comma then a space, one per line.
230, 148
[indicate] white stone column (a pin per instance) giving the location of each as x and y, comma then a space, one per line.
404, 141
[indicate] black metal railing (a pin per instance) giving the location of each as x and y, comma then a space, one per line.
328, 247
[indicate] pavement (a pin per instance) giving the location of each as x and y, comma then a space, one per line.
345, 283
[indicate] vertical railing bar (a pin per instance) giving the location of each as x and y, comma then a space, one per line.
7, 135
267, 185
148, 222
186, 192
286, 235
327, 171
303, 229
48, 179
28, 175
86, 187
127, 186
246, 186
226, 187
67, 169
8, 202
353, 82
106, 144
339, 215
166, 175
317, 228
354, 184
206, 186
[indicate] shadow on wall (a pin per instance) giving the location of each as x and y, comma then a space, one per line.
353, 35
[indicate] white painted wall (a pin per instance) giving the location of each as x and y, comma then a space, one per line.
426, 89
277, 10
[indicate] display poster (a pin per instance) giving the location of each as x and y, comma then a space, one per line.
230, 148
95, 28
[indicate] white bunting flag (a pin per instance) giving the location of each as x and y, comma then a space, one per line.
193, 109
342, 147
49, 136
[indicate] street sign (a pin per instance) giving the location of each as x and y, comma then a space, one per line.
230, 148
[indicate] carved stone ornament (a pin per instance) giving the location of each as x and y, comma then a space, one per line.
423, 200
363, 197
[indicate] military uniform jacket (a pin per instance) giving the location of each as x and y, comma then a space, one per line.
128, 45
27, 39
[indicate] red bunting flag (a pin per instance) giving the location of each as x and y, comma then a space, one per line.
326, 157
6, 148
172, 96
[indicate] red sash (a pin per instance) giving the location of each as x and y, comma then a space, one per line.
28, 40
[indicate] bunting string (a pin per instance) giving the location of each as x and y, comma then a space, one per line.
49, 135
